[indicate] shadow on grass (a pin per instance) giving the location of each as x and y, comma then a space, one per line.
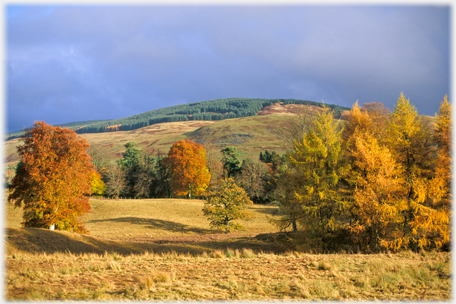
263, 209
35, 240
158, 224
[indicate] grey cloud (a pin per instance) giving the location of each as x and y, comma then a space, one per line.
99, 62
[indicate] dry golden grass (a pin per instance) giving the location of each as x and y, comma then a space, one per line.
165, 250
225, 275
127, 219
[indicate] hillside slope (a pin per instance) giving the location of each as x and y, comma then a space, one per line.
251, 135
211, 110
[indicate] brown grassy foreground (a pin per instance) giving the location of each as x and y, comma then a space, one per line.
228, 275
165, 250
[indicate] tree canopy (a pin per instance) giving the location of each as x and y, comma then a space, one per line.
227, 202
188, 168
53, 181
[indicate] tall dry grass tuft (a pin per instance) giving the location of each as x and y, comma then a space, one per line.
217, 254
247, 253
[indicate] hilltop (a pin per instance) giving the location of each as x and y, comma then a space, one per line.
211, 110
251, 135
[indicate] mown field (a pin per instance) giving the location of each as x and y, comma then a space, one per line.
165, 250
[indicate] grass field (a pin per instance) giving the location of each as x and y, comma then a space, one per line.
165, 250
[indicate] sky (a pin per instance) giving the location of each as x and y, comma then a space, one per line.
88, 62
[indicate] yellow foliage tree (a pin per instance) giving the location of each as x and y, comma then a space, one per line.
377, 207
373, 177
410, 144
227, 202
315, 164
397, 202
96, 183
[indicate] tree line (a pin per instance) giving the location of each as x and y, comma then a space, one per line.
379, 180
141, 175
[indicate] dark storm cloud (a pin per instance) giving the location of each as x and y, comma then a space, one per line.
100, 62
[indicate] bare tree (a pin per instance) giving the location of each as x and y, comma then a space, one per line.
297, 126
252, 179
117, 180
214, 162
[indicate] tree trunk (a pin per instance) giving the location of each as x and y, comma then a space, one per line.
227, 231
295, 227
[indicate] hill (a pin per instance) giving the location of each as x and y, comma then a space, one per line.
251, 135
211, 110
70, 125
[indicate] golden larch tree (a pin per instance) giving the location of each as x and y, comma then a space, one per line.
410, 144
315, 163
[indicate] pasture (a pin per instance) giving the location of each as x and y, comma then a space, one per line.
164, 249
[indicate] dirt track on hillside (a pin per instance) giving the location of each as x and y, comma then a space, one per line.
279, 108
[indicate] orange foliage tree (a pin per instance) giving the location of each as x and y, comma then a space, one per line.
373, 177
188, 168
52, 182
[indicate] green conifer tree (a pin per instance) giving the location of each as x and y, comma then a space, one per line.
316, 163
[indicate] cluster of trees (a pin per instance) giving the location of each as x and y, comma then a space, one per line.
205, 110
378, 180
188, 169
381, 181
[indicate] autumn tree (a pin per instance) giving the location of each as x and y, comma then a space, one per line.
376, 209
227, 202
442, 137
397, 200
373, 178
440, 184
97, 185
410, 144
315, 162
52, 183
188, 168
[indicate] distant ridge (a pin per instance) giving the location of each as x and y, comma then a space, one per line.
210, 110
70, 125
218, 109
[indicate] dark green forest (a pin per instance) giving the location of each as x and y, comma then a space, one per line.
205, 110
